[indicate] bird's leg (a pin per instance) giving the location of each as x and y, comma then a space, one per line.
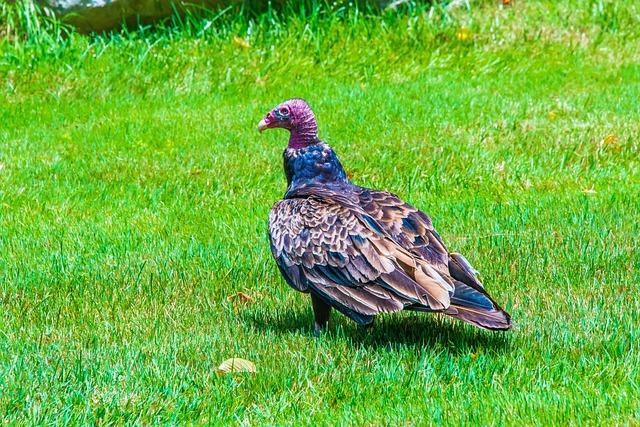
321, 311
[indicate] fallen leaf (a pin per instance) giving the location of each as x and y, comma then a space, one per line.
236, 364
609, 143
240, 42
241, 298
506, 2
463, 34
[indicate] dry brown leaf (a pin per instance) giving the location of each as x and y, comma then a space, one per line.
240, 42
609, 143
241, 298
236, 364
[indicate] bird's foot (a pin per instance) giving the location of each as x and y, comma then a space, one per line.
320, 328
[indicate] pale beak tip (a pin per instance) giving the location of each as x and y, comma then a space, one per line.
262, 125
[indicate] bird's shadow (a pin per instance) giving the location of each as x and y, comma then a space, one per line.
407, 330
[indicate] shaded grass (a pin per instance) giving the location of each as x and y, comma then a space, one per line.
134, 192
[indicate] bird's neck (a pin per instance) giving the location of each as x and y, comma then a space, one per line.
313, 165
304, 134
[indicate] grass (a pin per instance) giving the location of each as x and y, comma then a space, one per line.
134, 194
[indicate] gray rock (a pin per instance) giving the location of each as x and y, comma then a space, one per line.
103, 15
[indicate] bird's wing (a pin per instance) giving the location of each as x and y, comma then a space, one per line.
414, 231
338, 251
410, 227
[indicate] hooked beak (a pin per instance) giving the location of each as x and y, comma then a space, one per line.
263, 125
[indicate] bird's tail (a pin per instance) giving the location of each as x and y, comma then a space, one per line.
475, 307
470, 302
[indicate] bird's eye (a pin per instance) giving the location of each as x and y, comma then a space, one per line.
284, 111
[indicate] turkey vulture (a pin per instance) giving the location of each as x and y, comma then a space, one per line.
359, 250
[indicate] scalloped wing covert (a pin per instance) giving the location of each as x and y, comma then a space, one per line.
411, 227
338, 251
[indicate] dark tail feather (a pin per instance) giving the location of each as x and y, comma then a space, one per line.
477, 308
474, 307
470, 302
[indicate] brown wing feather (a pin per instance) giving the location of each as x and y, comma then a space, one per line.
411, 227
414, 230
408, 228
333, 248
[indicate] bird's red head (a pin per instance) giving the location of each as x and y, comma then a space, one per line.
296, 116
289, 115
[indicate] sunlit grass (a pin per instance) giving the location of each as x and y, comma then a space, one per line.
135, 189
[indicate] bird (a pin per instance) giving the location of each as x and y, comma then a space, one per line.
358, 250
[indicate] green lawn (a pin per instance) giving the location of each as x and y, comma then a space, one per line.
135, 189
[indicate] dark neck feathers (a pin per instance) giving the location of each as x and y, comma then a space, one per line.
316, 164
